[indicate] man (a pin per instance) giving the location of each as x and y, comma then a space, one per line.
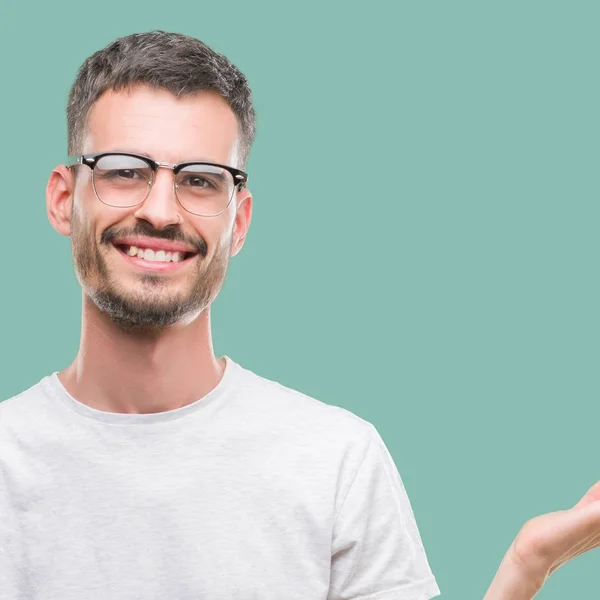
150, 468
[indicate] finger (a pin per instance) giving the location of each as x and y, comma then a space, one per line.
588, 543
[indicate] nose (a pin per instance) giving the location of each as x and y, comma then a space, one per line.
160, 208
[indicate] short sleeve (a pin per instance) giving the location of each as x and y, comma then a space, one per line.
377, 552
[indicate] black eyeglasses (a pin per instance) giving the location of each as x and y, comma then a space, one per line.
122, 179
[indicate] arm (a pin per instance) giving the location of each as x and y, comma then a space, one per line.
513, 580
376, 547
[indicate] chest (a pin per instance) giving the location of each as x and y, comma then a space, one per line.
180, 526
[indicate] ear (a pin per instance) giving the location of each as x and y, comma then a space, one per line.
243, 217
59, 199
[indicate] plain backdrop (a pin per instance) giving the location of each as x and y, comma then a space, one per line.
423, 250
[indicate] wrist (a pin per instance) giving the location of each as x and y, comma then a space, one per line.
516, 579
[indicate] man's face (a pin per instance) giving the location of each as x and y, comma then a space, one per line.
133, 292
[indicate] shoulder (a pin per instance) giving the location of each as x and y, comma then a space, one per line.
295, 410
24, 407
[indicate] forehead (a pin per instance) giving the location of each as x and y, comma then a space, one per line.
160, 125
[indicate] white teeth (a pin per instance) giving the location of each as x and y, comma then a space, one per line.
158, 256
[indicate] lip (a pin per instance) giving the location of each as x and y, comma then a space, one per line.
154, 243
156, 267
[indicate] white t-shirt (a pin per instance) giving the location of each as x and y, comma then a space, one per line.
253, 492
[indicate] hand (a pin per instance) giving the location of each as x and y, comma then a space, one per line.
543, 545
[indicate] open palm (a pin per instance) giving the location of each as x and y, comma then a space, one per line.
544, 544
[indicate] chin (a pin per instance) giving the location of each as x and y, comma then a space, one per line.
134, 310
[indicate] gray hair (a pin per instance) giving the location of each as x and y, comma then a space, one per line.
174, 62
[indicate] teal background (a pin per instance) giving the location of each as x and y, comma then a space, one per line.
423, 250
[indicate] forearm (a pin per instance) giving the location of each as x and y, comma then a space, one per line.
513, 581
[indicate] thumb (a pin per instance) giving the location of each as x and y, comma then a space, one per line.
592, 495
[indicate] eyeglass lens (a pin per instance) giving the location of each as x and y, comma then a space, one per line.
126, 181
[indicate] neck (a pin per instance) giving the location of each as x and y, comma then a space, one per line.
127, 372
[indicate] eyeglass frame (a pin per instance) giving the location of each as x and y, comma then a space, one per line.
240, 178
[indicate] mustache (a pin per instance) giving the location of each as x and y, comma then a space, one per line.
171, 233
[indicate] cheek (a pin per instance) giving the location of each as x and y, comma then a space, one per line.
82, 228
96, 218
223, 243
215, 231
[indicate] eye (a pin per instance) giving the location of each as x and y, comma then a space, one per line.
122, 168
122, 174
196, 181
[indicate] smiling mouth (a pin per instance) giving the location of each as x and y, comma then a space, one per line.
153, 255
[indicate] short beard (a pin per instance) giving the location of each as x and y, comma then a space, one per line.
137, 313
